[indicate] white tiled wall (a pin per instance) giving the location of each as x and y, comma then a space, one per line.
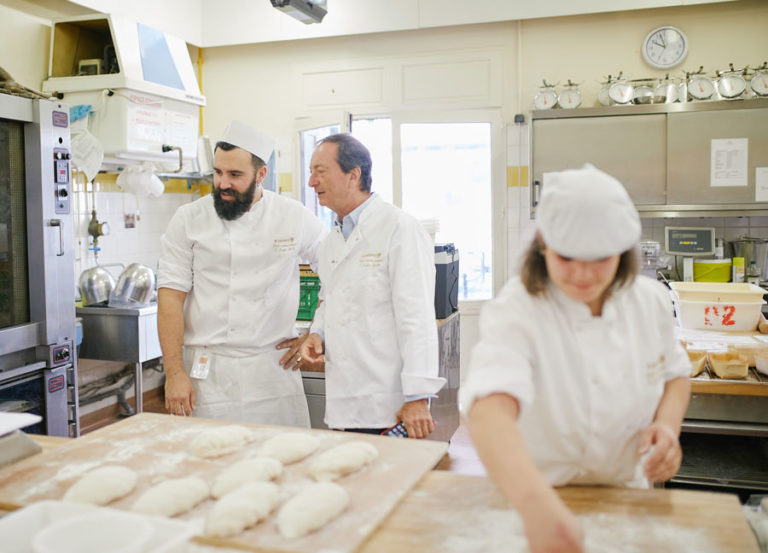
728, 228
122, 245
520, 227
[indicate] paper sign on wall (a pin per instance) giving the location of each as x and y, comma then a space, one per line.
761, 184
729, 162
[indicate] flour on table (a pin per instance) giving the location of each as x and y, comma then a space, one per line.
248, 470
220, 440
311, 508
289, 447
489, 530
342, 459
241, 509
172, 497
102, 485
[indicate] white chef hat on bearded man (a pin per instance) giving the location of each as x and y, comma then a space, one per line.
586, 214
249, 139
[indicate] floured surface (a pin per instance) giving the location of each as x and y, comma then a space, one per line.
156, 447
486, 530
452, 513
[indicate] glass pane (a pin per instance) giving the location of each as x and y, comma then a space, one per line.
447, 176
376, 134
308, 140
14, 290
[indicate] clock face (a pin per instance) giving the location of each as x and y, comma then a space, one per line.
665, 47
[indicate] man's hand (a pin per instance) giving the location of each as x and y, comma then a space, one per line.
292, 358
416, 418
179, 394
664, 462
312, 349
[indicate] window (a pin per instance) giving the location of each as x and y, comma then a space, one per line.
446, 175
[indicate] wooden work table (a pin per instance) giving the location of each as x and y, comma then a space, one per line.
448, 512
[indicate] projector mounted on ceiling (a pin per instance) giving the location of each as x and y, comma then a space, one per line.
305, 11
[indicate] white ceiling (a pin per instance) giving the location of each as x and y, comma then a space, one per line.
208, 23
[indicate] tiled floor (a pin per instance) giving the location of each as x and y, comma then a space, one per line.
461, 456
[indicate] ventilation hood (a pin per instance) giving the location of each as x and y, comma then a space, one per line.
135, 88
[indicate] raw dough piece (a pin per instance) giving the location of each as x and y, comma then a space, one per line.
172, 497
289, 447
102, 485
311, 508
241, 509
220, 440
342, 459
248, 470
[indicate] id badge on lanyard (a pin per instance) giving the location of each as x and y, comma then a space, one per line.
202, 365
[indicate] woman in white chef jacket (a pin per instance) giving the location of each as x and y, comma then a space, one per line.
577, 377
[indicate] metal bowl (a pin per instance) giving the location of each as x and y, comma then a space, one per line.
134, 287
95, 285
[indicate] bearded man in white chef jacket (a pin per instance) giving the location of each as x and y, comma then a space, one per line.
229, 291
376, 327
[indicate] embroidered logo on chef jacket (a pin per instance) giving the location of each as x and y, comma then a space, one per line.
371, 260
282, 245
654, 370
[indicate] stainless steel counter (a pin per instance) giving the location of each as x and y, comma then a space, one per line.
126, 334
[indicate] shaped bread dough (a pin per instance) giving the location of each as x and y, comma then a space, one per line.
342, 459
241, 509
289, 447
220, 440
172, 497
248, 470
102, 485
311, 508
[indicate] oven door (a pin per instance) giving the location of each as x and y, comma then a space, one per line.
37, 390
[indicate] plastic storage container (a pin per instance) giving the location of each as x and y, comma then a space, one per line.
710, 315
717, 292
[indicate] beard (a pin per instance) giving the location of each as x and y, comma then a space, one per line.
240, 203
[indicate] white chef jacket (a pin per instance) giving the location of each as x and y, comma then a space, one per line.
378, 316
586, 385
242, 281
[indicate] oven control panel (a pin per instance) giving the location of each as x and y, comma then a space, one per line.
61, 179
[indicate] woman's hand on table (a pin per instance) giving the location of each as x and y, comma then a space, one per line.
664, 461
550, 527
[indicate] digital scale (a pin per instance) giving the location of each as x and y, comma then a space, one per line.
689, 242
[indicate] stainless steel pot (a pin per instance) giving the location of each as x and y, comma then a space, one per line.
95, 285
752, 249
134, 287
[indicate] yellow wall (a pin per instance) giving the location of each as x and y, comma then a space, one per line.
587, 48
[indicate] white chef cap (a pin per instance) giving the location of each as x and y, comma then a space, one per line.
249, 139
586, 214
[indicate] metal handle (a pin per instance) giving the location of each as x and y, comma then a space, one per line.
536, 193
60, 224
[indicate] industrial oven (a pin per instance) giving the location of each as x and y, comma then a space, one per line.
38, 366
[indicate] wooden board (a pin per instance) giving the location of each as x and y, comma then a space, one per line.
155, 446
448, 513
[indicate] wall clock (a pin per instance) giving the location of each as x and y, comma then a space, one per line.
665, 47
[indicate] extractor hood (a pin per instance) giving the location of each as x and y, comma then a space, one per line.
140, 85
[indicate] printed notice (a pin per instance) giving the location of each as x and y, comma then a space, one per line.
729, 162
761, 184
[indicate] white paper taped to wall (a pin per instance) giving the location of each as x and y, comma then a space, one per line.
729, 162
